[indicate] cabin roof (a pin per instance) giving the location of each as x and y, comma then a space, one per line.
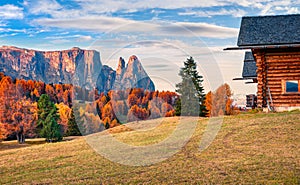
269, 30
249, 69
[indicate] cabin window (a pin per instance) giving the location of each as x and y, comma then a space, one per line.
291, 86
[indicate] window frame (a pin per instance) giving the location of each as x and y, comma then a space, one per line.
283, 84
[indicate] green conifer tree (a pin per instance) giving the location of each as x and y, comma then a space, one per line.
191, 90
73, 129
47, 120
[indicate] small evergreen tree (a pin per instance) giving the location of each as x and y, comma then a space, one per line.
73, 129
178, 107
47, 120
191, 90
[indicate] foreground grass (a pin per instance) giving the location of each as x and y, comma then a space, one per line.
249, 149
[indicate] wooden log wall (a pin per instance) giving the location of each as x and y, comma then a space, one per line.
274, 68
261, 78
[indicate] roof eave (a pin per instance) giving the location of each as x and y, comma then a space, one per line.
245, 78
263, 47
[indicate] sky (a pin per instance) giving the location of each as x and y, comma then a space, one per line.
161, 33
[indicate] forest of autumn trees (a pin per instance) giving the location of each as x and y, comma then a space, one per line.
118, 107
19, 109
90, 112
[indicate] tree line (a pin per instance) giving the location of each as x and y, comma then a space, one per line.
35, 109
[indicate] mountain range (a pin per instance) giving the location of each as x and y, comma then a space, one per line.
74, 66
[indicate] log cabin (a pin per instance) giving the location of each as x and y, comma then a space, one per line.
275, 44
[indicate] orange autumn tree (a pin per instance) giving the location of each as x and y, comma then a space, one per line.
208, 103
51, 92
167, 110
6, 97
3, 132
59, 92
107, 112
219, 103
64, 112
137, 113
24, 118
132, 100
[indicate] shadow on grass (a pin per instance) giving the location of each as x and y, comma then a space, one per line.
8, 145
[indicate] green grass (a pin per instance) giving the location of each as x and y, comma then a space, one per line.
249, 149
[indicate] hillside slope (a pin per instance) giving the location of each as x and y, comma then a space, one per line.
249, 149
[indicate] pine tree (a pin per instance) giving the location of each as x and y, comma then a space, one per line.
191, 90
47, 120
73, 129
178, 107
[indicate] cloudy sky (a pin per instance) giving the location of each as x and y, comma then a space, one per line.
161, 33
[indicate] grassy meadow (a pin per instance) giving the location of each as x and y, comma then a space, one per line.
249, 149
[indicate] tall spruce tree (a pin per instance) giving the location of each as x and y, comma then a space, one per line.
47, 120
191, 90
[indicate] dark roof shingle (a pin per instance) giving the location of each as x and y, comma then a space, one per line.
269, 30
249, 69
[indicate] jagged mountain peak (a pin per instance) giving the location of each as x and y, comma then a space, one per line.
132, 59
131, 76
121, 66
75, 48
134, 66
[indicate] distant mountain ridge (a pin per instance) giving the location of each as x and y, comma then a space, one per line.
74, 66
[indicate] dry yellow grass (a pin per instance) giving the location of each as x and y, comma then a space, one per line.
249, 149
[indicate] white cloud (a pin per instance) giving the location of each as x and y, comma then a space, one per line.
7, 35
84, 38
63, 38
223, 11
13, 30
293, 10
278, 7
120, 25
117, 5
202, 30
42, 7
9, 11
60, 41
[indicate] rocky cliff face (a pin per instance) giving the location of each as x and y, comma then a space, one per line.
74, 66
106, 79
131, 76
